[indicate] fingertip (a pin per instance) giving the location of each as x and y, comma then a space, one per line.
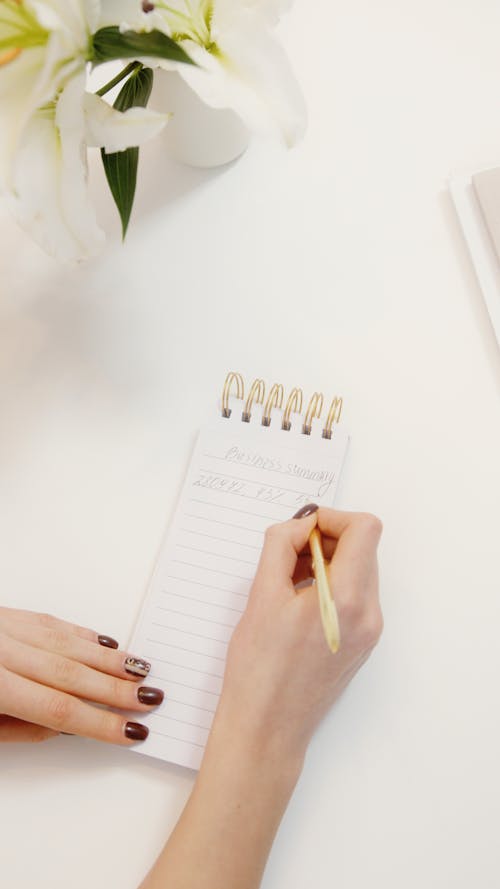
334, 522
135, 731
289, 537
107, 641
306, 511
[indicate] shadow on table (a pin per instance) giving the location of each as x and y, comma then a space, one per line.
27, 764
161, 183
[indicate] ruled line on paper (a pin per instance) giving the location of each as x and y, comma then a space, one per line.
193, 706
207, 552
222, 539
268, 501
256, 515
172, 738
206, 620
188, 650
212, 570
190, 633
208, 586
271, 499
170, 681
201, 601
182, 721
250, 481
160, 660
218, 522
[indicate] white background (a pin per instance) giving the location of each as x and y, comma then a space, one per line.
339, 265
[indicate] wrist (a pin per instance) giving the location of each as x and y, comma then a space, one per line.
254, 754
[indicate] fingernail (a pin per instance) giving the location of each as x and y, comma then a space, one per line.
136, 666
150, 696
306, 510
134, 731
107, 641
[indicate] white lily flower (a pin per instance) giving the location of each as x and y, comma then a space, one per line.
42, 45
50, 197
47, 121
241, 65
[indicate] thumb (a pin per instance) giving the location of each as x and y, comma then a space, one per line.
282, 545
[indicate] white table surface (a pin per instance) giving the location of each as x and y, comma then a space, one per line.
339, 265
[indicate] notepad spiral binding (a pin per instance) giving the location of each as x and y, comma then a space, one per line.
275, 399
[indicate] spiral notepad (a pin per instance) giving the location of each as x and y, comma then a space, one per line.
259, 459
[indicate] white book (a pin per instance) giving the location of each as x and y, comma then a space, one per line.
476, 196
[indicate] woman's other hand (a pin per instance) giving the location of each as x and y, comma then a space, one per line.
53, 672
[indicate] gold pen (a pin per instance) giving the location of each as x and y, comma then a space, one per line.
328, 611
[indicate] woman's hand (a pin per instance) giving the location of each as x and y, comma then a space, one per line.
281, 677
50, 668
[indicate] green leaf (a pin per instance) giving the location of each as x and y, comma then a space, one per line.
121, 166
110, 43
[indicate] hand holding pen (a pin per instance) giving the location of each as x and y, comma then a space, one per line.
279, 663
281, 678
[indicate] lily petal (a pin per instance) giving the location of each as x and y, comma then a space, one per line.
241, 65
28, 82
128, 15
51, 199
113, 130
77, 17
250, 74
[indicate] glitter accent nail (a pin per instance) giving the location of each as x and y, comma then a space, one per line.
136, 666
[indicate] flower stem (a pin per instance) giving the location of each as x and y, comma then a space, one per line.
130, 69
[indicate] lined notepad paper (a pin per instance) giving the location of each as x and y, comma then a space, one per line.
242, 478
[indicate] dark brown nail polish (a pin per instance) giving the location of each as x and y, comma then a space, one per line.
134, 731
150, 696
107, 641
136, 666
306, 510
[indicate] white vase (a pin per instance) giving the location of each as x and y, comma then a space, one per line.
197, 134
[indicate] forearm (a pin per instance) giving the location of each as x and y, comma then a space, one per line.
226, 831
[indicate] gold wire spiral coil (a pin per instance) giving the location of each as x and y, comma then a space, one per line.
274, 399
294, 404
314, 409
333, 416
257, 392
240, 390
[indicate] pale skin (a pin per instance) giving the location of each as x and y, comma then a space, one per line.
280, 680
